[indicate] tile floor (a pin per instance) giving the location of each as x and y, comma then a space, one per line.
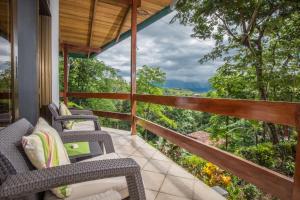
163, 179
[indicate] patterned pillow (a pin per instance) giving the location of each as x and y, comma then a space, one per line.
45, 149
64, 111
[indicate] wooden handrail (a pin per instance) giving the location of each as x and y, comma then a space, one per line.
284, 113
5, 95
276, 112
114, 115
105, 95
268, 180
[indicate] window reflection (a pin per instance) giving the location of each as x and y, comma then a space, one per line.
5, 63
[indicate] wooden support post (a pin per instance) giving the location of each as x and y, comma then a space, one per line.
296, 186
133, 64
66, 60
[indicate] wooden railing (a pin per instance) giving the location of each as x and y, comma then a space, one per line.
114, 115
5, 95
264, 178
116, 96
275, 112
120, 96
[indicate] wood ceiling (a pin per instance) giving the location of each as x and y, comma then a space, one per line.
95, 23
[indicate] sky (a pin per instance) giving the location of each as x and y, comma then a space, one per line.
161, 44
4, 53
168, 46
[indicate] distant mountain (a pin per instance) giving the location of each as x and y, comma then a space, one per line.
193, 86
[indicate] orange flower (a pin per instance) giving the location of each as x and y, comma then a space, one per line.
226, 179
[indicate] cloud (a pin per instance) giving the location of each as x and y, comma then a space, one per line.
168, 46
4, 54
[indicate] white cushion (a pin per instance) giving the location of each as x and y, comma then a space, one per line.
87, 190
82, 126
108, 195
103, 157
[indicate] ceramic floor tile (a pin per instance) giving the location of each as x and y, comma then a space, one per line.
160, 156
114, 136
203, 192
135, 141
162, 177
145, 152
163, 196
125, 149
149, 147
157, 166
152, 180
122, 155
121, 141
141, 161
116, 131
176, 170
150, 194
181, 187
139, 139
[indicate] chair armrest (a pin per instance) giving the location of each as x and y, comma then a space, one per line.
80, 117
76, 117
75, 111
89, 136
41, 180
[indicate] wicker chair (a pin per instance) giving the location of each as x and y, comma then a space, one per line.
19, 180
82, 115
57, 120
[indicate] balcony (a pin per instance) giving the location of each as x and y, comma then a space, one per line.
90, 27
267, 180
163, 178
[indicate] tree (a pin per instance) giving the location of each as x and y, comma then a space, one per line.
150, 81
92, 75
5, 80
246, 31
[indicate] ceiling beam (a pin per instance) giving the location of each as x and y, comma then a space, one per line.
76, 48
123, 23
129, 2
91, 28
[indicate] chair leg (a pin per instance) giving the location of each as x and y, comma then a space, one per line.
136, 187
97, 125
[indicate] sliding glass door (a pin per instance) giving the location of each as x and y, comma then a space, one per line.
8, 58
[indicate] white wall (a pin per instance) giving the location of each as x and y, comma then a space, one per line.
55, 50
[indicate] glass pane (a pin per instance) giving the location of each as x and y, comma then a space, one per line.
5, 63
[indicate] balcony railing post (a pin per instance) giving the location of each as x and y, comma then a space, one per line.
65, 74
133, 64
296, 187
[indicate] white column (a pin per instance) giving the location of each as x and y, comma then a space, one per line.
54, 6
